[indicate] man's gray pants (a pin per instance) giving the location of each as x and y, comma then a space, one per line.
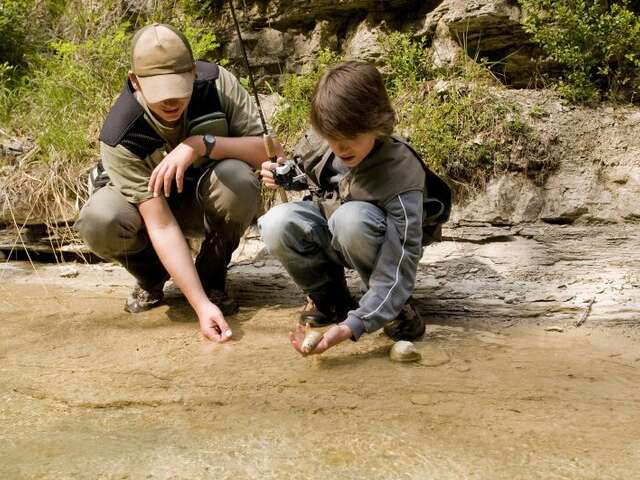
219, 207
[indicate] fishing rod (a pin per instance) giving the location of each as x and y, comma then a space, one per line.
266, 136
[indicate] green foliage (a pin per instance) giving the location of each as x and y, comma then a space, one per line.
465, 133
71, 83
293, 115
15, 28
202, 39
596, 43
70, 89
461, 129
408, 61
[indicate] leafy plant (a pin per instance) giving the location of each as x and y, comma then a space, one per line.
292, 117
596, 43
407, 61
15, 28
451, 115
70, 89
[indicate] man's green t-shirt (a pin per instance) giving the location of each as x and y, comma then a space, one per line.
130, 174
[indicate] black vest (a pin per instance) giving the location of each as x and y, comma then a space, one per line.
125, 124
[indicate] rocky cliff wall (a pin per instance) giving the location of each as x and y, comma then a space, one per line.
597, 173
597, 151
283, 36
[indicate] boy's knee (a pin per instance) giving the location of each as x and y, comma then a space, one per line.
274, 226
292, 227
357, 225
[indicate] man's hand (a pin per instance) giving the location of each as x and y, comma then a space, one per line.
174, 165
335, 335
212, 323
266, 173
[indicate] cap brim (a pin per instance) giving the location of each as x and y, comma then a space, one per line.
163, 87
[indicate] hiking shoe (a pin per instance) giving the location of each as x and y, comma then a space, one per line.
408, 325
317, 315
227, 304
327, 308
141, 300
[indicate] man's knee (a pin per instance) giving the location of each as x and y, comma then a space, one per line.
109, 231
357, 225
231, 192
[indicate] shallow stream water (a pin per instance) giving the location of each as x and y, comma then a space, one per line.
88, 391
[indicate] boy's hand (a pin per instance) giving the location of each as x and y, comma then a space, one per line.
212, 323
174, 165
266, 173
335, 335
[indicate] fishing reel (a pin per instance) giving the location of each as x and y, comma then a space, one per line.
290, 176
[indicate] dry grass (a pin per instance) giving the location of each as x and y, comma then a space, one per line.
49, 194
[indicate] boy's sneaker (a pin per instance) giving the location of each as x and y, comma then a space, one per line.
408, 325
327, 308
141, 300
225, 302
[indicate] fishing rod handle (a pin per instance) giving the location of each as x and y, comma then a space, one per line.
271, 153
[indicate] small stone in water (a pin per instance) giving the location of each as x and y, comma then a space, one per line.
404, 351
69, 272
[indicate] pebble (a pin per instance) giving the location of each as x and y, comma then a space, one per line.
554, 329
404, 351
69, 272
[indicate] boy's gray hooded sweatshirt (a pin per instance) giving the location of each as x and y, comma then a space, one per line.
392, 177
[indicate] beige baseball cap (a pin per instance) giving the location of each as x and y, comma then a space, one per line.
162, 60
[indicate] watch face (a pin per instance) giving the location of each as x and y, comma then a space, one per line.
208, 138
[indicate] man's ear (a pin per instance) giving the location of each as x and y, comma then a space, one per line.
134, 81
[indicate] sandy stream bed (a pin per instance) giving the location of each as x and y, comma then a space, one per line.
88, 391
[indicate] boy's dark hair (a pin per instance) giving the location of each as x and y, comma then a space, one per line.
350, 99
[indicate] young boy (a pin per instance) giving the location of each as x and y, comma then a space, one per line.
178, 150
372, 199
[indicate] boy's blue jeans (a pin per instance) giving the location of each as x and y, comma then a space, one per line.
314, 250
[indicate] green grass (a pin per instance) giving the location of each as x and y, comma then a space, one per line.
71, 83
292, 117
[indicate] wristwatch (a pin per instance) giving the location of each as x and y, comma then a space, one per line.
209, 142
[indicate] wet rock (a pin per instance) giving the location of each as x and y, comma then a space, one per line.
433, 356
423, 399
69, 272
404, 351
554, 329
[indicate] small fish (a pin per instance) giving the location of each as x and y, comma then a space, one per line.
311, 340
